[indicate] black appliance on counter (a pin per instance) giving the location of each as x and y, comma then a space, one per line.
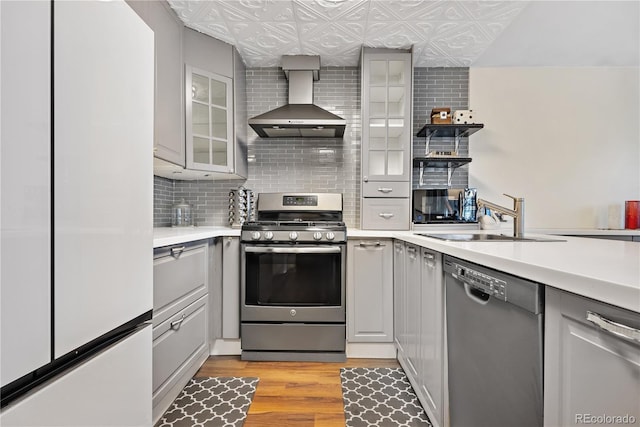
444, 206
293, 279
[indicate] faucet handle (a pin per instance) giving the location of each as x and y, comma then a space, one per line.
515, 199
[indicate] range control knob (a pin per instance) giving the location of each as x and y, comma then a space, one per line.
317, 235
255, 235
330, 235
268, 235
293, 235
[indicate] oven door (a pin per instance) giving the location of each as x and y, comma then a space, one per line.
293, 283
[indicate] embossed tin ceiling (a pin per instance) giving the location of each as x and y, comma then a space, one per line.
444, 33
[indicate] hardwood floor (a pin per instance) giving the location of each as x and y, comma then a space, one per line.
300, 394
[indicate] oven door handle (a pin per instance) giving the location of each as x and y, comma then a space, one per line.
294, 250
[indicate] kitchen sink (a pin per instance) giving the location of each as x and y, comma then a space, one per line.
478, 237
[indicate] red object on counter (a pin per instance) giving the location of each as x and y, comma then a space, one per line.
632, 214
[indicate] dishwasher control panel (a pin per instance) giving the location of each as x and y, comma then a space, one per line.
488, 284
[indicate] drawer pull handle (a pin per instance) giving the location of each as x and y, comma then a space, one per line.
385, 215
385, 189
371, 244
177, 251
429, 256
175, 325
617, 329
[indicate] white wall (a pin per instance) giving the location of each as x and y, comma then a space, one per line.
566, 139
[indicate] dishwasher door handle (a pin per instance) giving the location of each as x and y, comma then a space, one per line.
476, 294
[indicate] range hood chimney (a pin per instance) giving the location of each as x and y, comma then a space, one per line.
300, 117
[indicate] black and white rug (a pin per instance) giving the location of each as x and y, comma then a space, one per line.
211, 402
380, 397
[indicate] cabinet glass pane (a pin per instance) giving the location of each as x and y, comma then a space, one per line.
200, 150
219, 153
396, 159
396, 100
396, 134
218, 93
219, 123
377, 101
396, 72
377, 134
378, 72
200, 119
200, 88
377, 160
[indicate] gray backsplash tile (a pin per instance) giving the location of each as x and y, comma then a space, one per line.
316, 165
434, 88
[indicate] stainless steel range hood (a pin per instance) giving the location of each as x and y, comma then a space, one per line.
300, 117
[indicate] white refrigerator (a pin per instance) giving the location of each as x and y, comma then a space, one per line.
76, 178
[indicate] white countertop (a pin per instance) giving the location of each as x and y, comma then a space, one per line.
165, 236
605, 270
587, 231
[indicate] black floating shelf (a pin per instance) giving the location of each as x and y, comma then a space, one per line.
441, 162
449, 131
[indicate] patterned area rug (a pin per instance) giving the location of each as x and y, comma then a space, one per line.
380, 397
211, 402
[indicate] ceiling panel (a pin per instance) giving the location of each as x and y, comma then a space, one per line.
442, 32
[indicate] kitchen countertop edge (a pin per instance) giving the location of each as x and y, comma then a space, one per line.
167, 236
604, 270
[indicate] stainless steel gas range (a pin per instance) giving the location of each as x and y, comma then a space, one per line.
293, 279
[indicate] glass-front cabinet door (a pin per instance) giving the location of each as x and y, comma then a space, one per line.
386, 123
209, 121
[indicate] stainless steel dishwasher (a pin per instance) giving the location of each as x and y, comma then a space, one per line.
495, 342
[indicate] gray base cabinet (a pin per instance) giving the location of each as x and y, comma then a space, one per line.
180, 319
231, 288
431, 342
399, 297
224, 295
591, 375
419, 316
411, 306
370, 290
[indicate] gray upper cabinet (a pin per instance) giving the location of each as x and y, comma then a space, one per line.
387, 76
200, 101
209, 118
386, 114
215, 108
590, 369
168, 117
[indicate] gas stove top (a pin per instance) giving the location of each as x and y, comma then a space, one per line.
294, 225
297, 218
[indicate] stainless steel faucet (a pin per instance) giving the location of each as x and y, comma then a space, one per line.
517, 212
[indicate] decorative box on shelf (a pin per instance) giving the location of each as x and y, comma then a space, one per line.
441, 116
463, 117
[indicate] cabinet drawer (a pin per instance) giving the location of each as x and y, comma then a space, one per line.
179, 278
176, 341
386, 189
385, 214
